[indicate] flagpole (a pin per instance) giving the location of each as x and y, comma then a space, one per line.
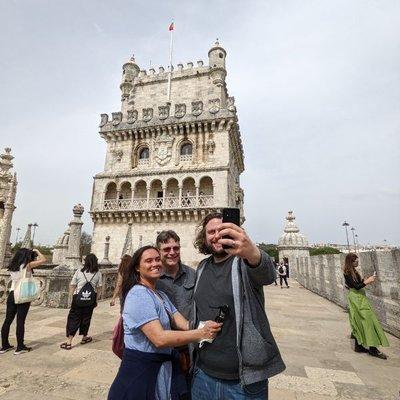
170, 64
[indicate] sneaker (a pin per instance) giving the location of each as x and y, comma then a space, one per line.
22, 350
4, 349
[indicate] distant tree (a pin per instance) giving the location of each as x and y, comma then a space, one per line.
86, 243
271, 249
315, 251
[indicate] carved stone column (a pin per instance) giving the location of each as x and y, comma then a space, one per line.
73, 258
105, 260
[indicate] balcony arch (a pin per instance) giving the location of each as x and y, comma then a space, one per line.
141, 155
111, 191
206, 192
156, 199
172, 193
188, 193
125, 191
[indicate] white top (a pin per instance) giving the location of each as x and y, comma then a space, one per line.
17, 275
79, 279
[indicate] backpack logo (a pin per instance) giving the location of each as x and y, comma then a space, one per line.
86, 295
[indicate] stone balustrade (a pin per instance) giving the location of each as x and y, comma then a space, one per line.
156, 203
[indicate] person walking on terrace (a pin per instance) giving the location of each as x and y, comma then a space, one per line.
84, 286
23, 258
366, 331
125, 260
282, 272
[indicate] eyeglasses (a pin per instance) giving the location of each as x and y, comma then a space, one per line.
168, 249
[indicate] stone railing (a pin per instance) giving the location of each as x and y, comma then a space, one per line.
54, 286
323, 275
156, 203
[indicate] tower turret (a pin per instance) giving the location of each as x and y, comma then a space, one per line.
130, 71
216, 56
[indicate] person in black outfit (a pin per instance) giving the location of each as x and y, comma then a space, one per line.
23, 258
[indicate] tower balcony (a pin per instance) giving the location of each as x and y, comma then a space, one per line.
159, 203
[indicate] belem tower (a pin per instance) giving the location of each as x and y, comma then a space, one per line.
174, 153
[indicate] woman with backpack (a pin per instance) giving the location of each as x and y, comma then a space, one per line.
84, 286
23, 258
366, 331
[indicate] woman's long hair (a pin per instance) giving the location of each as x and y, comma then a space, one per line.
21, 257
348, 268
91, 264
130, 275
125, 260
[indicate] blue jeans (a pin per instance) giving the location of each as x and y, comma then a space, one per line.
205, 387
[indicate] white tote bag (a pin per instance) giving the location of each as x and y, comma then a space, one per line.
26, 289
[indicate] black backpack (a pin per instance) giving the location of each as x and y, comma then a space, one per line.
87, 296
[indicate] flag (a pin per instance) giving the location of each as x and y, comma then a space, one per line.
171, 27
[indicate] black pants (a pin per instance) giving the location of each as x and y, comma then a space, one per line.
283, 277
19, 310
79, 318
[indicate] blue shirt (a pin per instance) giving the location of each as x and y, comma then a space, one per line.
141, 306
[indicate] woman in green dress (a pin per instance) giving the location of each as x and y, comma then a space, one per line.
366, 331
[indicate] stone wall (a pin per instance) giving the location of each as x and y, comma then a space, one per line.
323, 275
54, 286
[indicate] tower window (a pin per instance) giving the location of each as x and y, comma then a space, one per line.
144, 154
186, 149
221, 55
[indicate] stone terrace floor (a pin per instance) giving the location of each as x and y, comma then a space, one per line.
312, 333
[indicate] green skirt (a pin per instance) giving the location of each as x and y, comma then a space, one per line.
364, 324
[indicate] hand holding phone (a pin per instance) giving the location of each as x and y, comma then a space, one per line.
231, 215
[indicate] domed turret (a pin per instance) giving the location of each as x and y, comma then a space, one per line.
292, 237
216, 56
129, 72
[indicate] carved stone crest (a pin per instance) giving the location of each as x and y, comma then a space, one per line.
117, 154
147, 114
163, 112
230, 104
214, 105
103, 120
180, 110
132, 116
163, 148
197, 108
210, 146
116, 118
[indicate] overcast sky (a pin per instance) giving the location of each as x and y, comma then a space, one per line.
317, 87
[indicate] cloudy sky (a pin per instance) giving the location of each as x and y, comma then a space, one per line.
317, 87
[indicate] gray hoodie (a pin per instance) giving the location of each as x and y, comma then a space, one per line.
259, 356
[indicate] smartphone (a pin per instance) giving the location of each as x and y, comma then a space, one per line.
374, 273
230, 215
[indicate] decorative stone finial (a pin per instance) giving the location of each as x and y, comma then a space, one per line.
78, 210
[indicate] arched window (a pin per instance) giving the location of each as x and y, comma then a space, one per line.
144, 154
186, 149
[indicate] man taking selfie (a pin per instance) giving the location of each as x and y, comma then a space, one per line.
238, 363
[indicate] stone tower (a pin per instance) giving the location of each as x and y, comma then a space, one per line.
293, 246
8, 189
168, 163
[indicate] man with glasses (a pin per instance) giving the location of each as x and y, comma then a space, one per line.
177, 279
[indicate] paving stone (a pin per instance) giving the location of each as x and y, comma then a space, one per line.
333, 375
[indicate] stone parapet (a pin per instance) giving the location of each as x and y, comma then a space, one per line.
323, 275
54, 285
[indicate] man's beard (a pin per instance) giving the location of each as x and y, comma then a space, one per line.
216, 253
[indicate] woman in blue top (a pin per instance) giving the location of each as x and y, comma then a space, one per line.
149, 367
